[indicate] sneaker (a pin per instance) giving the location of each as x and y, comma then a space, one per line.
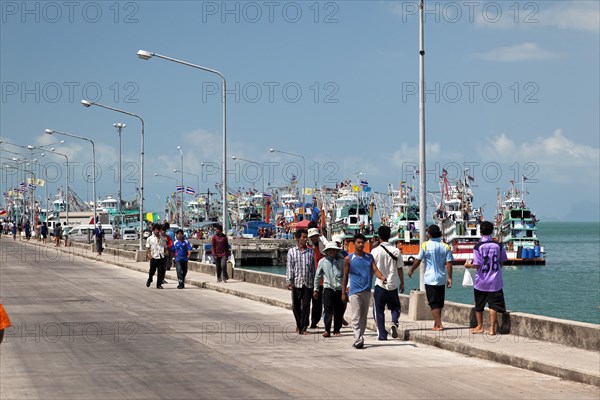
359, 344
165, 282
180, 286
394, 331
345, 323
148, 282
159, 287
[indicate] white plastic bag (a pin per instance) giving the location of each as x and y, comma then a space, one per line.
467, 278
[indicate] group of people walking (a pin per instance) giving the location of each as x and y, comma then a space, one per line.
165, 247
320, 272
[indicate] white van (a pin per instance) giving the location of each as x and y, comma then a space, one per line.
82, 233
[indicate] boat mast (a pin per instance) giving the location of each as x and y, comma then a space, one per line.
422, 169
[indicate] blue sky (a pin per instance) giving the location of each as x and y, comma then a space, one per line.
513, 89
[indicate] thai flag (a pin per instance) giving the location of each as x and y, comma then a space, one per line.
190, 190
266, 195
23, 184
179, 189
32, 186
364, 182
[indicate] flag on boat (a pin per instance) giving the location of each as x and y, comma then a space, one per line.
179, 189
363, 182
355, 188
3, 212
308, 191
190, 190
366, 188
266, 195
524, 178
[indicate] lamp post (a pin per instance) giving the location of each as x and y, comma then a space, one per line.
422, 163
146, 55
253, 162
86, 104
168, 177
303, 175
50, 132
119, 127
30, 148
52, 150
182, 189
189, 173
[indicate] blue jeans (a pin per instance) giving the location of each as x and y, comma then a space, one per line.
182, 268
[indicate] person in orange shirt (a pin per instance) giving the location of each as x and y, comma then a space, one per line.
4, 322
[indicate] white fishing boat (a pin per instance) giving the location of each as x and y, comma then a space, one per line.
516, 228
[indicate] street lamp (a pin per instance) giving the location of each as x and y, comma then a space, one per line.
50, 132
303, 175
146, 55
182, 188
189, 173
86, 104
168, 177
52, 150
253, 162
120, 127
30, 148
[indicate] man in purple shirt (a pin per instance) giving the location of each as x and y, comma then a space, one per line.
488, 257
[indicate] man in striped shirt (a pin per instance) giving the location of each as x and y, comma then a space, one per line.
300, 275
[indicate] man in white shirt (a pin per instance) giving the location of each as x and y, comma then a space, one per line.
389, 261
155, 252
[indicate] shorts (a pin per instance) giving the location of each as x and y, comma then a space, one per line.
435, 296
494, 300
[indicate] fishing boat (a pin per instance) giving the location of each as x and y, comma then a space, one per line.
456, 216
352, 209
401, 214
516, 228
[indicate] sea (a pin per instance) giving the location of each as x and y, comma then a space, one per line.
567, 287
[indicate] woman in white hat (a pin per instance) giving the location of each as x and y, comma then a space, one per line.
331, 268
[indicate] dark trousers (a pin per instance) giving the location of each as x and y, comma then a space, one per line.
334, 309
317, 308
221, 264
301, 306
182, 268
157, 264
382, 298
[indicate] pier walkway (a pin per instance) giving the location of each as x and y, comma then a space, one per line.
193, 343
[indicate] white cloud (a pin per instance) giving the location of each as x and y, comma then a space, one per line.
557, 157
566, 15
521, 52
573, 15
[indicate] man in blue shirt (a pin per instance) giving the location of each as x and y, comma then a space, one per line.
182, 249
359, 267
437, 255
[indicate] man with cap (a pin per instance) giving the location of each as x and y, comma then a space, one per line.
317, 245
331, 271
437, 255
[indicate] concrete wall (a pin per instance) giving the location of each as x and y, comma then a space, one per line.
569, 333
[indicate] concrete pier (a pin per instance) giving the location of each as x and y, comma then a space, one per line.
207, 344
